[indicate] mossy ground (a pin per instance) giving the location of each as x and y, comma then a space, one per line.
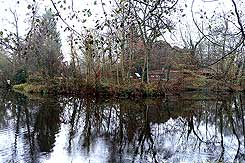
31, 88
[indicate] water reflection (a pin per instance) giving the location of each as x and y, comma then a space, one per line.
72, 129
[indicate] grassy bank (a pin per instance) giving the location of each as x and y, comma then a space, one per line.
133, 89
127, 90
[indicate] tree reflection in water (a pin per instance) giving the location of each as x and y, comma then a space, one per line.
175, 129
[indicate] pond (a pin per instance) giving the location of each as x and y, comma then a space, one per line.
191, 127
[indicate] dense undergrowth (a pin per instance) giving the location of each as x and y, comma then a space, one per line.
129, 89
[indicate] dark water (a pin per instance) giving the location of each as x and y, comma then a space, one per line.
187, 128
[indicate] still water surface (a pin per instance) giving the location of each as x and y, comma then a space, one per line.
189, 128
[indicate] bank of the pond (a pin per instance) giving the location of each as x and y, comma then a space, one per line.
135, 89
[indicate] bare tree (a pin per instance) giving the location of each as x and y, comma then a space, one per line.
152, 21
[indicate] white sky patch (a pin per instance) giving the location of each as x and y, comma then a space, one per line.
186, 25
21, 8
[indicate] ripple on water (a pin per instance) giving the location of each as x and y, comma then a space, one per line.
13, 145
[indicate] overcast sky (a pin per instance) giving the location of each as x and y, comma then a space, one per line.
174, 38
6, 18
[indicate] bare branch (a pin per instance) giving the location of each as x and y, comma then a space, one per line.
229, 53
199, 27
238, 19
63, 20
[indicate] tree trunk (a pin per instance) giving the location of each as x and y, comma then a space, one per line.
147, 66
117, 75
123, 56
144, 71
